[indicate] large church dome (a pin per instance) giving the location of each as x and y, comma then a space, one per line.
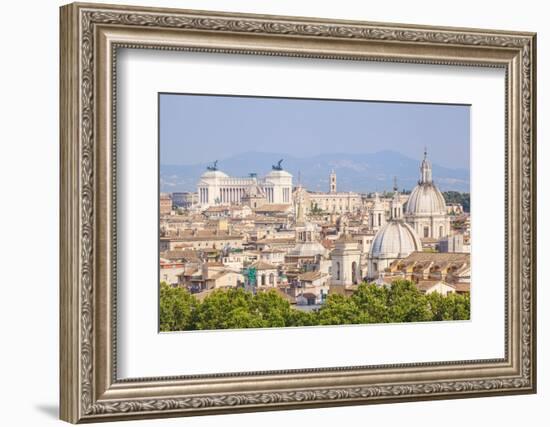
426, 199
396, 239
307, 234
308, 249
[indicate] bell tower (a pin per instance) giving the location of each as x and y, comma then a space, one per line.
377, 214
396, 207
332, 181
346, 263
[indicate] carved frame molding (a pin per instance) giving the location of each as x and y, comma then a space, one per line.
89, 387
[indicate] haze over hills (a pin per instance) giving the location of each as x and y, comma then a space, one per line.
355, 172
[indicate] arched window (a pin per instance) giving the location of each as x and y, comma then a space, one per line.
271, 279
354, 273
337, 270
440, 231
263, 279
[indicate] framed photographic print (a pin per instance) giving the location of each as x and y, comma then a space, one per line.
265, 212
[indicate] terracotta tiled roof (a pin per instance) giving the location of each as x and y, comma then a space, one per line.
311, 276
280, 292
221, 274
438, 257
177, 255
217, 209
191, 235
181, 246
215, 264
262, 265
284, 240
462, 287
273, 208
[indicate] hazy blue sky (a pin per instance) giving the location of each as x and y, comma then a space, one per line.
198, 129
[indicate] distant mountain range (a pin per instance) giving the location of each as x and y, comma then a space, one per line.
355, 172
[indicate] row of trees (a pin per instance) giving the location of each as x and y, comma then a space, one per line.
237, 308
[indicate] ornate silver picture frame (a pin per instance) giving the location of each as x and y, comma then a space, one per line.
91, 35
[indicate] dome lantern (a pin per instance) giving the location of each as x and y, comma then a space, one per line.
396, 207
425, 170
425, 198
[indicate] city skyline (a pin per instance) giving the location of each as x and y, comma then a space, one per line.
278, 220
361, 173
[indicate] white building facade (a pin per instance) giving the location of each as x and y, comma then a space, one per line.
377, 214
346, 262
334, 201
217, 188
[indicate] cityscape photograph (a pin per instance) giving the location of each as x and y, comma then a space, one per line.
297, 212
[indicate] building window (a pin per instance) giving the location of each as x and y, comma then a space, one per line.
337, 271
426, 231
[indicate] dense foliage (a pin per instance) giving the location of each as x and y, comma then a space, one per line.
456, 197
238, 308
